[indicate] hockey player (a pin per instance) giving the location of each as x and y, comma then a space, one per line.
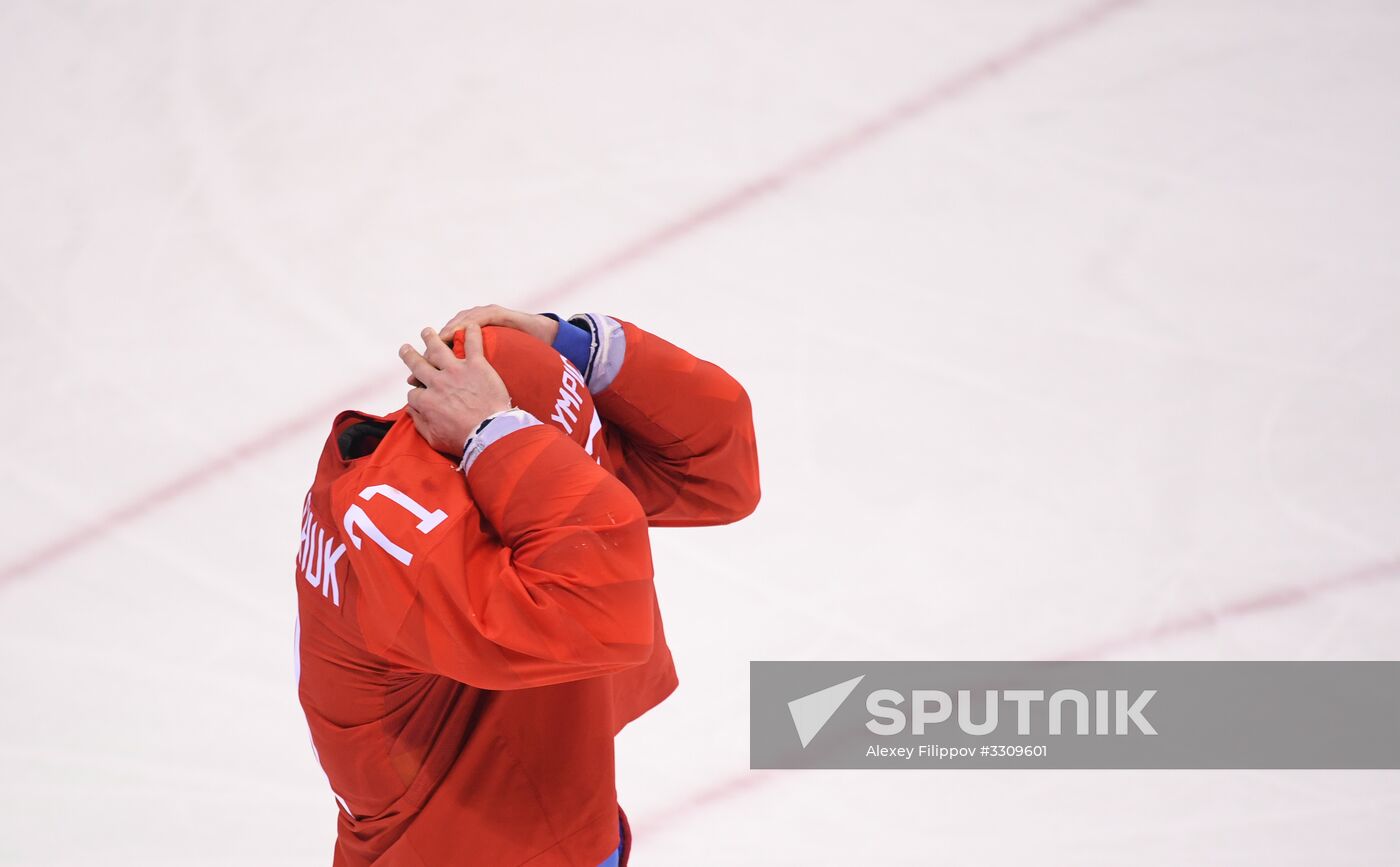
476, 611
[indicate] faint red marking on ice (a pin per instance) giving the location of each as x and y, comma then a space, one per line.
825, 153
940, 93
1268, 600
806, 163
741, 197
91, 531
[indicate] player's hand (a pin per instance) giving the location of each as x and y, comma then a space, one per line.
456, 394
539, 327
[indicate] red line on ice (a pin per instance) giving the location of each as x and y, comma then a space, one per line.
1266, 600
740, 197
239, 453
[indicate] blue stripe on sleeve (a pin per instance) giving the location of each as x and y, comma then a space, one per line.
573, 343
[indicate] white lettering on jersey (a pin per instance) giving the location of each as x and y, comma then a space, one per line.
595, 425
356, 517
570, 399
319, 554
426, 520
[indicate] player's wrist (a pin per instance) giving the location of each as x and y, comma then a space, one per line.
606, 351
492, 429
543, 327
572, 341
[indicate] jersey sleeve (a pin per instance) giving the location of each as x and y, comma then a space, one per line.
545, 578
679, 430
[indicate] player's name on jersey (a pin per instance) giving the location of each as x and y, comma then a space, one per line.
319, 554
570, 398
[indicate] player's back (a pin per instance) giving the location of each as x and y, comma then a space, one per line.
431, 771
462, 707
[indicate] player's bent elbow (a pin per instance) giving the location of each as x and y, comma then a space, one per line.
738, 501
747, 502
740, 486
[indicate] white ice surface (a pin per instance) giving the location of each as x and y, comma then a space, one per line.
1102, 344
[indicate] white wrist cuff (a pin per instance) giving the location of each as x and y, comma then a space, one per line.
607, 347
491, 429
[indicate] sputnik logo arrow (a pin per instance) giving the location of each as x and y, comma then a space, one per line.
811, 712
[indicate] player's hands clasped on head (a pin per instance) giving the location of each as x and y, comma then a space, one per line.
452, 395
539, 327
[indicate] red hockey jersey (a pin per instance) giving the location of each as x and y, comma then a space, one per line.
468, 645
